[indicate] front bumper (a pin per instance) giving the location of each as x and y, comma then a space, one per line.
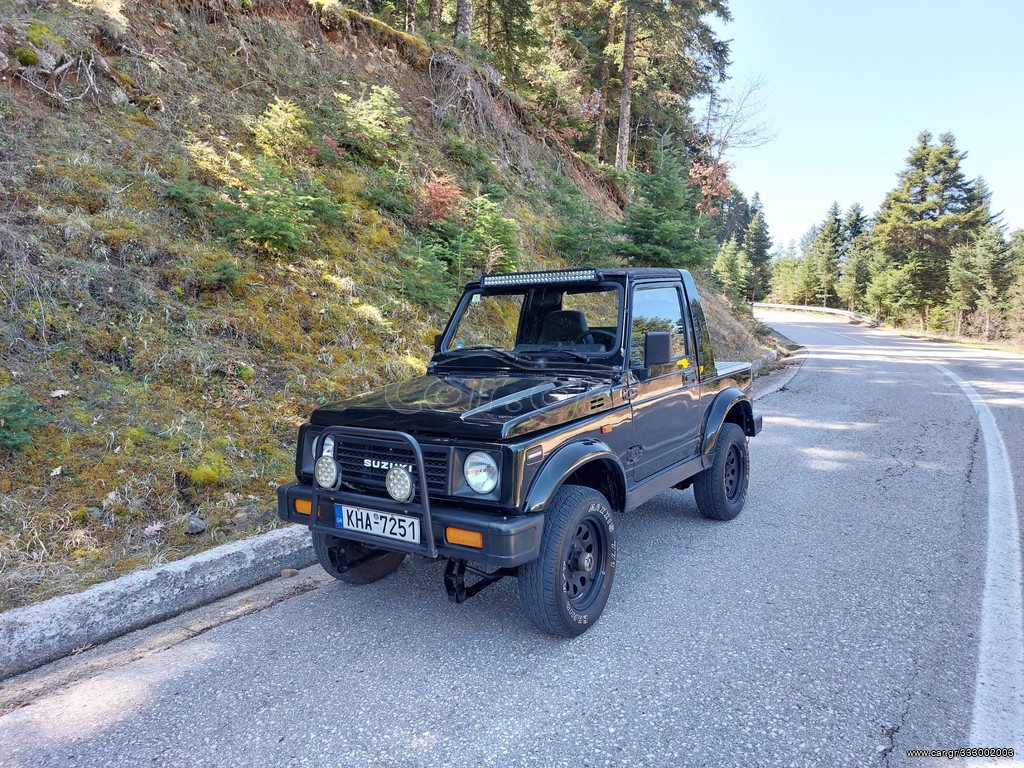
507, 541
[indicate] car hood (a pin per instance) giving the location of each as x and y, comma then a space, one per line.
482, 407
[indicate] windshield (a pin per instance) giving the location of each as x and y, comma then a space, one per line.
579, 322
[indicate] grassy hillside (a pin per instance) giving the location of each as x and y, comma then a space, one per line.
215, 214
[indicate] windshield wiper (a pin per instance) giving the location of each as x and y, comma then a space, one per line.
489, 350
561, 350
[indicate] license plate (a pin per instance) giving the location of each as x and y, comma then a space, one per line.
386, 524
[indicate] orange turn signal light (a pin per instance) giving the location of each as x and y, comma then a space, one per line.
303, 506
464, 538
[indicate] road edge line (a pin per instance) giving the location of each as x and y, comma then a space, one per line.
998, 712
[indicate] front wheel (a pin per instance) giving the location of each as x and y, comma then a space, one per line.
721, 489
335, 554
565, 589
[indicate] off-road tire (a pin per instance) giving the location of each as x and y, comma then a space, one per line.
721, 489
332, 551
565, 589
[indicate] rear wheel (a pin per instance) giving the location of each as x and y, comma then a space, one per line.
721, 489
335, 554
565, 589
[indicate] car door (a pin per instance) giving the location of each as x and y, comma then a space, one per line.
666, 398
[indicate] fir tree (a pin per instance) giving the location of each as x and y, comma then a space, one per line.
809, 274
726, 270
856, 274
980, 276
892, 292
826, 249
785, 282
855, 224
756, 246
932, 210
734, 217
661, 226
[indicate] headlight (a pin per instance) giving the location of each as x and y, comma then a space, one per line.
328, 449
325, 471
481, 472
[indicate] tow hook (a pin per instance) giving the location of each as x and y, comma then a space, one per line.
455, 579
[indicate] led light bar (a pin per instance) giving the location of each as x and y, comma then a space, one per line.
589, 275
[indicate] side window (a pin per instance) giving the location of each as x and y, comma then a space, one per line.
656, 309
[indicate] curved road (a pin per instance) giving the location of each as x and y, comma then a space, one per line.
857, 609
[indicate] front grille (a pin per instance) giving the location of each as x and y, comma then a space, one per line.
353, 456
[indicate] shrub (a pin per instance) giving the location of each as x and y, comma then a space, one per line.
223, 275
427, 280
263, 207
438, 199
275, 221
189, 196
280, 130
390, 190
18, 414
374, 124
476, 237
475, 156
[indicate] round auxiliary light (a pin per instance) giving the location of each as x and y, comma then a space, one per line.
399, 484
481, 472
326, 472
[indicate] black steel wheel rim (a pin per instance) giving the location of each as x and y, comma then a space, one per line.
733, 475
585, 563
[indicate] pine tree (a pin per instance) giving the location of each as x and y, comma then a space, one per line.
734, 217
661, 225
785, 282
980, 276
674, 50
932, 210
755, 205
809, 273
1014, 310
746, 273
856, 275
463, 22
854, 225
892, 292
626, 93
726, 270
826, 249
511, 36
756, 246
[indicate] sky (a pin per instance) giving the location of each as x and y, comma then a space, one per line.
849, 86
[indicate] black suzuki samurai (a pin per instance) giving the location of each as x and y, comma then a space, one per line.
553, 400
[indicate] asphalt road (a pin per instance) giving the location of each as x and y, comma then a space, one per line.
837, 622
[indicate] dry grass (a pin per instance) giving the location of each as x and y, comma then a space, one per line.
736, 336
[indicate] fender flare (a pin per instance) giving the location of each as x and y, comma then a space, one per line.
563, 463
724, 402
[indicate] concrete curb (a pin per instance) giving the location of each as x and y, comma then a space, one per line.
36, 634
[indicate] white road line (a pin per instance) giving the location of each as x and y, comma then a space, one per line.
851, 338
998, 714
998, 719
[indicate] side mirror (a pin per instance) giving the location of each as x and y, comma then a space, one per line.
438, 338
657, 348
